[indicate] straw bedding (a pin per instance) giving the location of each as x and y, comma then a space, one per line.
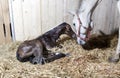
90, 61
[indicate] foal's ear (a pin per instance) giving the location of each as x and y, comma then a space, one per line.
72, 12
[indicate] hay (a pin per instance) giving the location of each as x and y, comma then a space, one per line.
81, 63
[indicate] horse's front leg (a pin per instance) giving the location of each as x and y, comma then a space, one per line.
115, 58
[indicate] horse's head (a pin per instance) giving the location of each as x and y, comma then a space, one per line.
82, 26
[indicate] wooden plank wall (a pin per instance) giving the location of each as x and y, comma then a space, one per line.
34, 17
5, 33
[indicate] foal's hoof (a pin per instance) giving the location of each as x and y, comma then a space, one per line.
38, 60
113, 60
59, 46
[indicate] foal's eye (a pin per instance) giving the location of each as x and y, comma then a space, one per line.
74, 24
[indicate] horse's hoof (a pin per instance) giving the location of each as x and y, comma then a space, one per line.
113, 60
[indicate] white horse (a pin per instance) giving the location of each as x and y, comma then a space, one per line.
83, 24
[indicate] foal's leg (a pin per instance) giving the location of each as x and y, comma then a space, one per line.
116, 57
38, 53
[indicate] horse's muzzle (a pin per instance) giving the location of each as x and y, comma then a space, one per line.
80, 42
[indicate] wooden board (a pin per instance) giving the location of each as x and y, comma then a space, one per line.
18, 19
2, 36
5, 32
33, 18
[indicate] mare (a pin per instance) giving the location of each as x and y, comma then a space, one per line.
83, 24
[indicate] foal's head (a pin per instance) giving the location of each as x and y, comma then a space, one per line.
82, 26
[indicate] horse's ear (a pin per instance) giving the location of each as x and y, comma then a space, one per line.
72, 12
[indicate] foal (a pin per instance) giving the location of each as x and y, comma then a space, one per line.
36, 50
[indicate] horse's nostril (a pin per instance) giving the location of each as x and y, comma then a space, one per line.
81, 42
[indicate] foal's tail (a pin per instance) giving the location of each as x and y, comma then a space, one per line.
55, 56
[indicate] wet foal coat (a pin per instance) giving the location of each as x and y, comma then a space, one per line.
36, 50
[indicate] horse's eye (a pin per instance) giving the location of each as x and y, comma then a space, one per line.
74, 24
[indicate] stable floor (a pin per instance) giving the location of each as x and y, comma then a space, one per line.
90, 61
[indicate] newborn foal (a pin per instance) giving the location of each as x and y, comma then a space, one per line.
36, 51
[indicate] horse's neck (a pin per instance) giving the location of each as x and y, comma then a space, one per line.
85, 18
85, 11
87, 5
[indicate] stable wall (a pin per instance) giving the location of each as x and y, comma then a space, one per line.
34, 17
